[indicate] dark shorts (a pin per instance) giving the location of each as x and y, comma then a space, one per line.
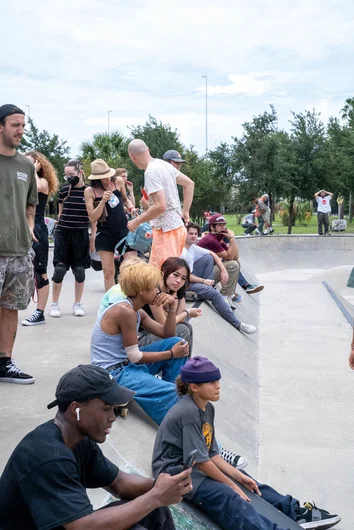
107, 239
16, 281
71, 247
41, 249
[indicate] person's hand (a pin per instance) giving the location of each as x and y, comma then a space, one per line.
209, 282
351, 359
185, 216
193, 312
250, 484
106, 195
181, 349
224, 276
164, 298
129, 185
239, 492
170, 489
37, 166
34, 239
133, 225
230, 233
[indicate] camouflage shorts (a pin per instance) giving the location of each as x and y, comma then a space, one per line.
16, 281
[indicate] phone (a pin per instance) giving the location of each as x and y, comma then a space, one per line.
190, 459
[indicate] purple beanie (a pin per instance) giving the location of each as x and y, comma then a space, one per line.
199, 370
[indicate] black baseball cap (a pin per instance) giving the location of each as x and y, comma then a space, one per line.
173, 155
8, 110
87, 381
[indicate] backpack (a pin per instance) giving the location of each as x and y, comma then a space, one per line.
140, 240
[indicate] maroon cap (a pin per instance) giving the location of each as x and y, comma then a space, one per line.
217, 219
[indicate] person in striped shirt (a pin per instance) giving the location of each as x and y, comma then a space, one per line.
72, 243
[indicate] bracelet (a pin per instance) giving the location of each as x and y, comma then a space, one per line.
187, 311
203, 280
170, 310
172, 356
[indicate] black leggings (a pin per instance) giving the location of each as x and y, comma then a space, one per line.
159, 519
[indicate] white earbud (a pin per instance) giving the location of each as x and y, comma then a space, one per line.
77, 414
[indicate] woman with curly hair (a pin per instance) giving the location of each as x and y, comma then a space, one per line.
47, 185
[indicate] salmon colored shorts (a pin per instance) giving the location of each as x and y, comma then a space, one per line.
166, 245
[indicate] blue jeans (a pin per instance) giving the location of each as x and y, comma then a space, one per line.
204, 268
156, 396
242, 281
231, 512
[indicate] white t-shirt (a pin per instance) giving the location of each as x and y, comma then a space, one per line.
161, 176
193, 254
324, 205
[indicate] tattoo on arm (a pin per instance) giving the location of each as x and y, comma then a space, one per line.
30, 213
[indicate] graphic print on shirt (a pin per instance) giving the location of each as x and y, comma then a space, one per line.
208, 431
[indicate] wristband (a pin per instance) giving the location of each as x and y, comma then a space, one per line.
203, 280
187, 311
172, 356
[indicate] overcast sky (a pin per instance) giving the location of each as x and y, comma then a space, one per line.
73, 60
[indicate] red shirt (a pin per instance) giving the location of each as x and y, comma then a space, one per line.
213, 242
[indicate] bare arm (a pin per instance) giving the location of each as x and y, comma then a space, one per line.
232, 252
188, 192
95, 213
157, 208
219, 263
61, 207
126, 200
30, 213
127, 486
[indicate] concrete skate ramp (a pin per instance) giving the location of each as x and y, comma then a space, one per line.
273, 253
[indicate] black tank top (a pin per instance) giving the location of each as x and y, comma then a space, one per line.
40, 208
115, 217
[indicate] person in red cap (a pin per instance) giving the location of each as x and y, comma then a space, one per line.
44, 483
18, 202
229, 253
189, 426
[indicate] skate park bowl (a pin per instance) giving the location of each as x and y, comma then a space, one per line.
287, 391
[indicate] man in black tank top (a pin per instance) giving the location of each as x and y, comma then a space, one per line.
71, 246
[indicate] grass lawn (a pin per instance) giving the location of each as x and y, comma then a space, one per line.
311, 228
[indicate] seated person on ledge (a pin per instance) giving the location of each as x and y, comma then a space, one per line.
201, 263
226, 250
114, 341
190, 425
175, 278
43, 486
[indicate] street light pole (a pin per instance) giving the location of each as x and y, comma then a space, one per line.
206, 111
29, 110
108, 116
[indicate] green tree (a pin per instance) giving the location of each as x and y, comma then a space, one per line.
54, 148
113, 148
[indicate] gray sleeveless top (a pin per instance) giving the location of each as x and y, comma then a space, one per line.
107, 350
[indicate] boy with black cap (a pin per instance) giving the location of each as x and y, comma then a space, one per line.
43, 486
18, 201
189, 426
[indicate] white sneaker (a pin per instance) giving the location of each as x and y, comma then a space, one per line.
257, 232
78, 310
247, 328
54, 310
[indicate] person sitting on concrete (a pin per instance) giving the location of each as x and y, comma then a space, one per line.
202, 263
175, 278
249, 224
114, 341
188, 426
228, 252
323, 199
44, 482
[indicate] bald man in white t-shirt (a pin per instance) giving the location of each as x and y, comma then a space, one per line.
164, 212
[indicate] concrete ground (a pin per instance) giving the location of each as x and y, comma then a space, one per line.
286, 391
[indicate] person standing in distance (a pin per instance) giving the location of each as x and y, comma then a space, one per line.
323, 199
47, 185
71, 244
160, 183
18, 201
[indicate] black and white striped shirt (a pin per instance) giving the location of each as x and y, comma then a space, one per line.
74, 215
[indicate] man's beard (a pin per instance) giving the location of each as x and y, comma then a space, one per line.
11, 143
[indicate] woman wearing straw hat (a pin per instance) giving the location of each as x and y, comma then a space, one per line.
105, 200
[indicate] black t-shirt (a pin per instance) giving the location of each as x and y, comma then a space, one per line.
44, 483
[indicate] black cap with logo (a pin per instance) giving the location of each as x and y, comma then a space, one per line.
88, 382
8, 110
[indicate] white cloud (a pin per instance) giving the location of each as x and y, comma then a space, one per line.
74, 60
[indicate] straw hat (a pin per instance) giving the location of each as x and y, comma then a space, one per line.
101, 170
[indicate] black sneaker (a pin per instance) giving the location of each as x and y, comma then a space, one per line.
35, 319
11, 373
312, 517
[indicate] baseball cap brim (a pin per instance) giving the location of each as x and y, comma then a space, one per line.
118, 395
177, 160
